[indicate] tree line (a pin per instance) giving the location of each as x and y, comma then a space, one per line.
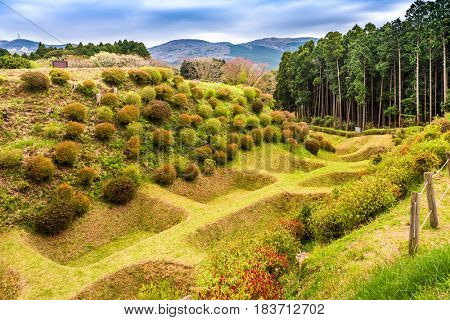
395, 75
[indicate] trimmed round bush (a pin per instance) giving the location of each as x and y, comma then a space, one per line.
197, 93
238, 109
269, 133
59, 76
292, 143
148, 94
128, 114
191, 172
185, 88
278, 117
134, 129
177, 80
133, 172
180, 163
120, 190
232, 150
166, 73
239, 122
213, 102
234, 137
164, 92
196, 120
220, 157
188, 137
35, 81
155, 76
257, 106
267, 99
246, 142
10, 157
80, 204
180, 100
87, 175
212, 126
163, 139
326, 145
184, 120
110, 99
221, 111
133, 148
165, 175
252, 122
157, 111
219, 142
53, 130
205, 111
224, 94
286, 134
249, 93
131, 98
74, 129
312, 145
75, 112
139, 76
104, 114
265, 119
87, 88
203, 153
425, 162
66, 152
114, 76
104, 131
209, 166
257, 135
210, 93
40, 168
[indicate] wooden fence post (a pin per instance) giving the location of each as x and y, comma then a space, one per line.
98, 97
431, 199
448, 163
414, 223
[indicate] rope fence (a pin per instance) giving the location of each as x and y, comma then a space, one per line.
414, 225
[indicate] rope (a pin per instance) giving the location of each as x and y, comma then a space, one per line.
437, 204
424, 186
434, 175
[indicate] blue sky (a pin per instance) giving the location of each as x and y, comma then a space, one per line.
157, 21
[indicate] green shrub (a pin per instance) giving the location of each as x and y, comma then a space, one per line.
180, 163
292, 143
267, 100
148, 94
165, 175
209, 166
326, 145
191, 172
312, 145
66, 152
232, 150
196, 120
131, 98
257, 106
220, 157
164, 92
184, 88
139, 76
257, 135
212, 126
426, 162
59, 76
75, 112
250, 93
10, 157
269, 133
155, 76
188, 137
219, 142
185, 120
238, 109
74, 129
246, 142
87, 175
53, 130
197, 93
213, 102
128, 114
180, 100
39, 168
234, 137
221, 111
203, 153
14, 62
210, 93
114, 76
224, 94
104, 114
205, 111
163, 139
265, 119
134, 129
166, 73
87, 88
240, 122
35, 81
177, 80
110, 99
157, 111
133, 148
119, 190
104, 131
252, 122
133, 172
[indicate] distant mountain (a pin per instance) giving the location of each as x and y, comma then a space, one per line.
267, 50
21, 46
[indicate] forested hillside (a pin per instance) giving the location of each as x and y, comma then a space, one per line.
395, 75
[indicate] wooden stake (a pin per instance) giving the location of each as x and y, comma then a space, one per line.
414, 223
448, 163
431, 199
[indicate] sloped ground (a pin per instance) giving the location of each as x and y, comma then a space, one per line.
181, 243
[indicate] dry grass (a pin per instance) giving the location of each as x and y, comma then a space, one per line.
364, 147
10, 283
207, 188
126, 283
331, 179
104, 225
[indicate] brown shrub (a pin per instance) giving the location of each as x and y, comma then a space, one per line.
232, 150
257, 106
257, 135
35, 81
110, 99
191, 172
203, 153
75, 112
87, 175
157, 111
220, 157
133, 147
163, 139
40, 168
165, 175
119, 190
114, 76
185, 120
128, 114
312, 145
104, 131
66, 152
246, 142
180, 100
139, 76
74, 129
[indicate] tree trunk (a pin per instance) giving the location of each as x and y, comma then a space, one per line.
435, 89
399, 88
364, 103
444, 67
431, 92
339, 90
381, 99
371, 102
417, 85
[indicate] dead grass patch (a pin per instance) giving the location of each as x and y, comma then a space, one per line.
10, 283
206, 188
103, 225
331, 179
127, 282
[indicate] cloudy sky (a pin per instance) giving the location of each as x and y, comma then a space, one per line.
157, 21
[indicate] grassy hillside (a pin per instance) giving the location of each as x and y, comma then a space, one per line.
198, 179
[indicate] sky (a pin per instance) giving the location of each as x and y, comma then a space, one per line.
158, 21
